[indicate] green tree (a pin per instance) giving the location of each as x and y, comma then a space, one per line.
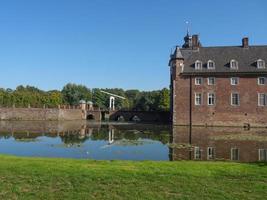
164, 100
99, 99
132, 96
73, 93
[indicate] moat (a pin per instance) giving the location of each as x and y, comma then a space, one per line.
122, 141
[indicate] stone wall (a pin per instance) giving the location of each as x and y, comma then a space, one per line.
46, 114
40, 114
71, 114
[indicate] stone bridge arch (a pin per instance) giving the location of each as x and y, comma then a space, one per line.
135, 118
120, 118
93, 115
140, 116
90, 116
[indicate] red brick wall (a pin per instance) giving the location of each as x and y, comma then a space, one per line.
222, 113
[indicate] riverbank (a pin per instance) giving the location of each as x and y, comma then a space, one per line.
42, 178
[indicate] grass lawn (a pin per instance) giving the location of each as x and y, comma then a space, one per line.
40, 178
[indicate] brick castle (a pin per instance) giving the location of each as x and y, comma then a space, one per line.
218, 86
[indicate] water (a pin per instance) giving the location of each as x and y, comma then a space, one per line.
85, 140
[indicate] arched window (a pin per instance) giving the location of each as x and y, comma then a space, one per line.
233, 64
260, 64
198, 64
211, 64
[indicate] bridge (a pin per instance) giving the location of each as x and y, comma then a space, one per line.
112, 114
126, 115
139, 116
96, 114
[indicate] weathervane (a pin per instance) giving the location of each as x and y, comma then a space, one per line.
187, 25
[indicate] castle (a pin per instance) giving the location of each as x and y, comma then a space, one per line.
218, 86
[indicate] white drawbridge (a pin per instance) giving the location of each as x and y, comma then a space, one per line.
112, 99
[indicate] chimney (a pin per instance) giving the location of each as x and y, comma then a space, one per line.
195, 41
245, 42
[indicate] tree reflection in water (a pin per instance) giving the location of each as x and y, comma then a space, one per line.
154, 141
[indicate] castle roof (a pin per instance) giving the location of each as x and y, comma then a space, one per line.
246, 58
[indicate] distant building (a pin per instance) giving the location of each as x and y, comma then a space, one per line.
224, 86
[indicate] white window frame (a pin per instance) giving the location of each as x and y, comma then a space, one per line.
231, 80
211, 156
197, 153
258, 64
232, 99
208, 66
196, 65
231, 64
209, 80
265, 154
208, 97
196, 104
264, 78
198, 78
259, 99
232, 155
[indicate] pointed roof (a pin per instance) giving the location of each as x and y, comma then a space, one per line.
178, 53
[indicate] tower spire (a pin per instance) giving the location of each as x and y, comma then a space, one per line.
187, 38
187, 28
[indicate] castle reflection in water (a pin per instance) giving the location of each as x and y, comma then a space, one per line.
173, 143
222, 143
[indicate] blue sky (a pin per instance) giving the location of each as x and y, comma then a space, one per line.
113, 43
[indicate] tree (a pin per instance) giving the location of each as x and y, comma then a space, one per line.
55, 98
73, 93
99, 99
164, 100
132, 96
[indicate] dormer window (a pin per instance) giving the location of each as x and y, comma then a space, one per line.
233, 64
260, 64
211, 64
198, 64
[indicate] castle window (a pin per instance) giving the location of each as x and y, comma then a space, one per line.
263, 155
262, 99
198, 65
260, 64
211, 99
197, 153
211, 64
234, 64
235, 99
198, 81
198, 99
234, 154
211, 81
261, 80
234, 81
211, 153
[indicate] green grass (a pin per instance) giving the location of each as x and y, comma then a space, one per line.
40, 178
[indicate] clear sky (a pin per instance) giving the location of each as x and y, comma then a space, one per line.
113, 43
